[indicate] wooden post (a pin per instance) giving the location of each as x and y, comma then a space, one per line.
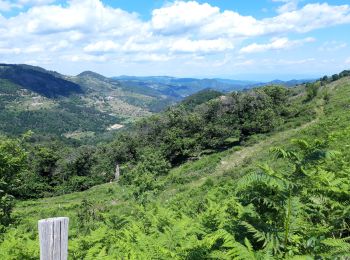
53, 236
116, 173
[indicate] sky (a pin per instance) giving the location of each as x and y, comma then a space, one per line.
250, 39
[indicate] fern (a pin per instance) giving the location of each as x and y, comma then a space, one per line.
245, 252
337, 247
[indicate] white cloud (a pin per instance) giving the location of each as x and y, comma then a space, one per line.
35, 2
27, 50
244, 63
102, 46
60, 45
84, 16
347, 61
233, 25
35, 48
10, 51
216, 45
89, 31
206, 21
145, 45
39, 61
288, 6
144, 57
295, 62
308, 18
275, 44
6, 6
202, 20
180, 17
332, 46
84, 57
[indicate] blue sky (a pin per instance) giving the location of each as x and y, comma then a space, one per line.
251, 39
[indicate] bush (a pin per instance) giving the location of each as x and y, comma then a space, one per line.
143, 175
311, 91
12, 163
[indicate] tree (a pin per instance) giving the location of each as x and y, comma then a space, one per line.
311, 91
335, 77
12, 163
324, 78
143, 175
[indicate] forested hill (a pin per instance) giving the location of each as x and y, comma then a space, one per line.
38, 80
84, 108
261, 174
183, 87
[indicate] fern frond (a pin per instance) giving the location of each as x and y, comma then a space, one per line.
257, 234
241, 252
279, 152
260, 178
301, 143
337, 247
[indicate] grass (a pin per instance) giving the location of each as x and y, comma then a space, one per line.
66, 204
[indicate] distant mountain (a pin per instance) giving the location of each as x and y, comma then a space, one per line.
137, 94
187, 86
200, 97
38, 80
289, 83
78, 107
91, 74
294, 82
237, 82
183, 87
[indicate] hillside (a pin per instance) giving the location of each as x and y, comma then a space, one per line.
77, 108
113, 96
274, 193
23, 110
183, 87
38, 80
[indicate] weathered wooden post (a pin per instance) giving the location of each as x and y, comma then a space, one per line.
53, 236
116, 173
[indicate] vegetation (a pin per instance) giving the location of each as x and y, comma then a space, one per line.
38, 80
112, 96
79, 108
324, 80
199, 98
12, 161
23, 110
213, 178
179, 134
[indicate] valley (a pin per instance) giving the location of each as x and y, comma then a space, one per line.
216, 175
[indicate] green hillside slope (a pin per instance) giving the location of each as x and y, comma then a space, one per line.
113, 96
23, 110
38, 80
280, 194
85, 107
